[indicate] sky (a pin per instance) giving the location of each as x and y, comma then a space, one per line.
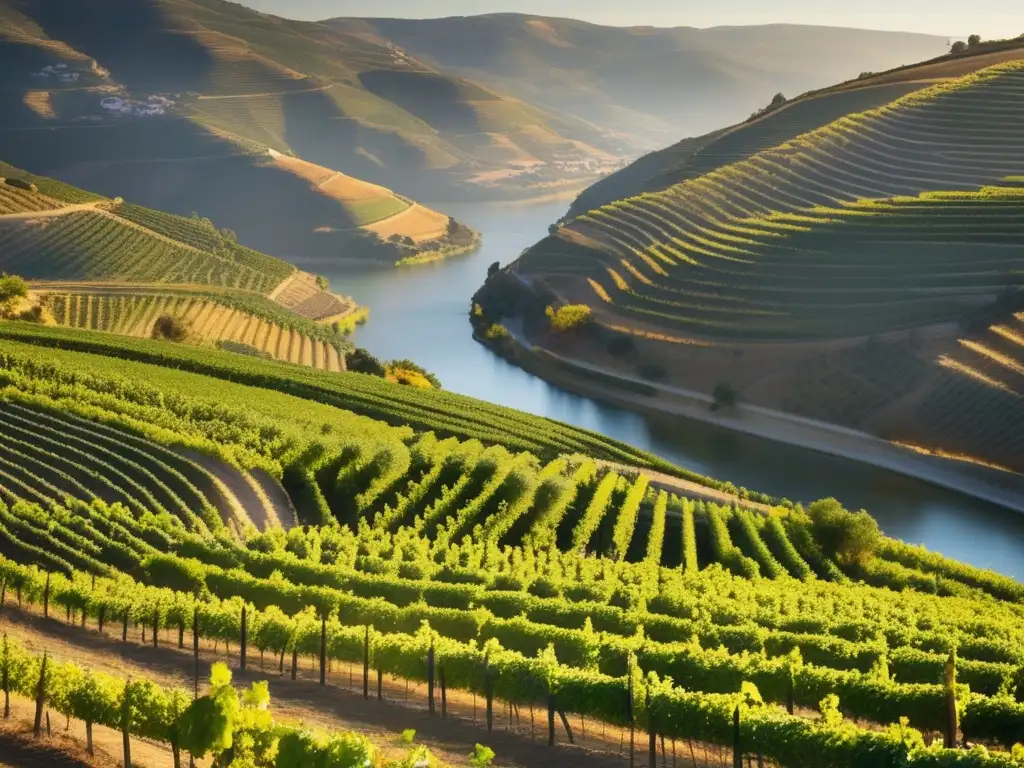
991, 19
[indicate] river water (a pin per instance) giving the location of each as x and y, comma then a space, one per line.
421, 313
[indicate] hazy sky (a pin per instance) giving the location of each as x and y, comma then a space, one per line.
955, 18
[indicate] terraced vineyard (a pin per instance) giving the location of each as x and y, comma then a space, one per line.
862, 268
262, 325
898, 228
539, 579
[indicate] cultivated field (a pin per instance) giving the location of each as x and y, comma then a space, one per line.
546, 580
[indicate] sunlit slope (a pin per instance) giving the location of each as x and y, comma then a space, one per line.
693, 157
705, 236
334, 98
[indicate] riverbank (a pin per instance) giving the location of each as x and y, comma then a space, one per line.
1005, 489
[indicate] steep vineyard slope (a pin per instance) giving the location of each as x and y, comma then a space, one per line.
850, 274
419, 549
108, 265
692, 157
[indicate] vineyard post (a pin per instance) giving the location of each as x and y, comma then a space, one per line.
295, 660
124, 624
488, 692
5, 683
323, 650
951, 720
243, 644
195, 649
551, 719
790, 691
380, 683
737, 755
101, 616
430, 679
632, 721
46, 597
652, 734
3, 594
156, 627
125, 724
40, 698
444, 694
366, 663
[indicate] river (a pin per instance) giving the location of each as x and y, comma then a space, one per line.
420, 313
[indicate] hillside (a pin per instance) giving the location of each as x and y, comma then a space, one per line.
100, 263
337, 100
647, 84
473, 548
864, 273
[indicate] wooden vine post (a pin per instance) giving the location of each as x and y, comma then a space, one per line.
632, 720
444, 693
46, 597
156, 627
488, 692
951, 718
124, 623
125, 726
430, 679
195, 650
737, 753
652, 734
37, 727
323, 650
551, 719
366, 663
243, 640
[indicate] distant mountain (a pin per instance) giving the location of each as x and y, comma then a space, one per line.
333, 98
652, 85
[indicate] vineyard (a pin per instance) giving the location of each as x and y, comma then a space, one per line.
257, 323
740, 252
466, 546
859, 269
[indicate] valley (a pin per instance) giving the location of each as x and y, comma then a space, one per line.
330, 438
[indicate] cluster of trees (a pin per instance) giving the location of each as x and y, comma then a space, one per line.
406, 372
171, 328
12, 289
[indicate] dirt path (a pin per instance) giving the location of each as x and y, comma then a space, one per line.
275, 494
268, 93
686, 488
66, 210
341, 706
246, 497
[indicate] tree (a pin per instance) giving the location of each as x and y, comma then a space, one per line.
12, 288
958, 47
361, 361
724, 395
171, 328
494, 269
974, 41
847, 537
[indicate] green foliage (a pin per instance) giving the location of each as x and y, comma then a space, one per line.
496, 332
481, 757
171, 328
847, 537
12, 288
568, 317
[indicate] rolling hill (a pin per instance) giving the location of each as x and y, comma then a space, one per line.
103, 264
648, 84
334, 99
865, 272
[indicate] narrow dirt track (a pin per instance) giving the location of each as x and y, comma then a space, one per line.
56, 212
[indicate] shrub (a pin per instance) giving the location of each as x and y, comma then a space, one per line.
725, 396
171, 328
243, 349
323, 283
652, 372
410, 367
847, 537
22, 184
494, 269
496, 332
361, 361
974, 41
569, 317
12, 288
958, 47
620, 346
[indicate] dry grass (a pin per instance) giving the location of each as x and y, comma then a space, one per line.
420, 223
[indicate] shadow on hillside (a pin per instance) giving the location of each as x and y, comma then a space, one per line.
134, 39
